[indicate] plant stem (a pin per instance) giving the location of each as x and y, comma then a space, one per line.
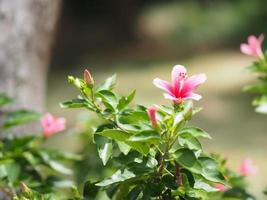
178, 174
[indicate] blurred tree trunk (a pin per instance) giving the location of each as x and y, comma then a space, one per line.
27, 28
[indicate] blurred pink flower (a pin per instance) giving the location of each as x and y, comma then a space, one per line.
151, 111
247, 168
181, 86
253, 47
220, 187
52, 125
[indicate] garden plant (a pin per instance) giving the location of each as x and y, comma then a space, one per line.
155, 154
152, 153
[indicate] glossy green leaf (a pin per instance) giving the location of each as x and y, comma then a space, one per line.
125, 101
204, 186
108, 98
134, 193
146, 136
124, 148
20, 117
210, 170
139, 146
53, 164
109, 83
185, 157
115, 134
119, 176
77, 103
195, 132
104, 147
123, 136
190, 142
90, 190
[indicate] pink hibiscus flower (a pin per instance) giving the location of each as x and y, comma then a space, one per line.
52, 125
253, 47
247, 168
182, 87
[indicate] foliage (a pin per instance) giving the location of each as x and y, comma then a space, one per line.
24, 159
259, 67
162, 162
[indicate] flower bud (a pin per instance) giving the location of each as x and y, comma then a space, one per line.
88, 78
151, 111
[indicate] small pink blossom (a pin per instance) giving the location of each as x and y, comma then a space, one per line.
220, 187
181, 87
253, 47
52, 125
247, 168
152, 111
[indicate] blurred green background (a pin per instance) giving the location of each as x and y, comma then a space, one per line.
143, 39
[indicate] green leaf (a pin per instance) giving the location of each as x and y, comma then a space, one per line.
90, 190
140, 147
122, 136
109, 83
262, 100
4, 99
185, 157
125, 101
134, 193
76, 103
20, 117
57, 166
237, 193
124, 148
195, 132
118, 176
108, 98
53, 164
256, 88
146, 136
13, 170
210, 170
104, 147
190, 142
115, 134
204, 186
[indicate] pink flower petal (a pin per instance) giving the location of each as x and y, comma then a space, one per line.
247, 168
193, 96
253, 41
173, 98
245, 49
253, 48
164, 85
193, 82
52, 125
178, 74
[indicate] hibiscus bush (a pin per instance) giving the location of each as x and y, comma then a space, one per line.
153, 152
24, 159
258, 67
